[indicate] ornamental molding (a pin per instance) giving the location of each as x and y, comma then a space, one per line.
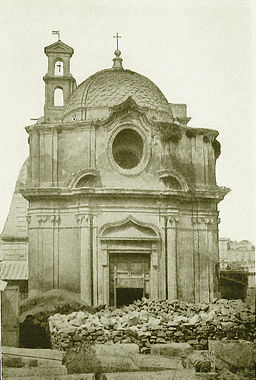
146, 138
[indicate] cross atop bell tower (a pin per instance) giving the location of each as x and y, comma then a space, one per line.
59, 83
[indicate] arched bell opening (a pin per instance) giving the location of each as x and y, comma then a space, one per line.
58, 67
58, 97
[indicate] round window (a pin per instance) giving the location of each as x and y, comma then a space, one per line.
127, 148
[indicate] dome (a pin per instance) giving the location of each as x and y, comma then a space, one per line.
94, 98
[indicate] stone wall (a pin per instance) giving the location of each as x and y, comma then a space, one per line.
150, 322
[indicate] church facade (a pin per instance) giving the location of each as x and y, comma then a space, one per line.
121, 192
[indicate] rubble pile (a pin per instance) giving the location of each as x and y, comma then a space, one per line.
147, 322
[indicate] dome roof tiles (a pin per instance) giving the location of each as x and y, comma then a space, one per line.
110, 87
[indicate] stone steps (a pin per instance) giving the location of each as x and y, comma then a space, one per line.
33, 372
171, 374
85, 376
26, 363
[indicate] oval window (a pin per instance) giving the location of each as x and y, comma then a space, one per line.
127, 148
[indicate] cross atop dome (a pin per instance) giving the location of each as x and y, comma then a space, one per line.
117, 60
117, 36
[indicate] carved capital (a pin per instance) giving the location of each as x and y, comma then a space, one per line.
202, 220
82, 220
51, 220
172, 220
42, 219
55, 219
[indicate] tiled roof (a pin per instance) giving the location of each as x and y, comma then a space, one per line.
108, 88
16, 224
14, 270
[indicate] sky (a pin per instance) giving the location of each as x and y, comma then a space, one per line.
198, 52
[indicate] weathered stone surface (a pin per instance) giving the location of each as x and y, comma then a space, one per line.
231, 354
200, 360
116, 363
14, 362
171, 349
172, 374
34, 371
207, 376
147, 362
114, 349
33, 353
84, 376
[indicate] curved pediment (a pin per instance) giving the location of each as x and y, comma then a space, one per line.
173, 180
81, 178
129, 229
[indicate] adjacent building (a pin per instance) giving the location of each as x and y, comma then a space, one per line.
237, 267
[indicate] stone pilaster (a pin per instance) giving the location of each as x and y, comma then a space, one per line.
83, 222
34, 157
43, 251
55, 157
103, 274
96, 278
203, 268
154, 272
172, 269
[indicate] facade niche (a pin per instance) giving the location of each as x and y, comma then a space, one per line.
58, 97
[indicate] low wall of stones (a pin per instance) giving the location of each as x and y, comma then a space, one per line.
147, 322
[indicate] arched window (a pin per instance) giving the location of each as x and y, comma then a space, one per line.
58, 68
58, 97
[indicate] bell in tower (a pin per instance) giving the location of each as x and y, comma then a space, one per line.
59, 83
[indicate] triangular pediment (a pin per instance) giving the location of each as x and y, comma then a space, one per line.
59, 47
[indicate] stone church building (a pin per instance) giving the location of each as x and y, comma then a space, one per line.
118, 198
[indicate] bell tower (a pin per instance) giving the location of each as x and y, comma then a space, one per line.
59, 83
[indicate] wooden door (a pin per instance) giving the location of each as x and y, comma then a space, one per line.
128, 271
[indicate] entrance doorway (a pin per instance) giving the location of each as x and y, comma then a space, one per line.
128, 277
125, 296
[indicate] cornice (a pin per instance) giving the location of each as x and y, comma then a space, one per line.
60, 78
208, 134
216, 193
